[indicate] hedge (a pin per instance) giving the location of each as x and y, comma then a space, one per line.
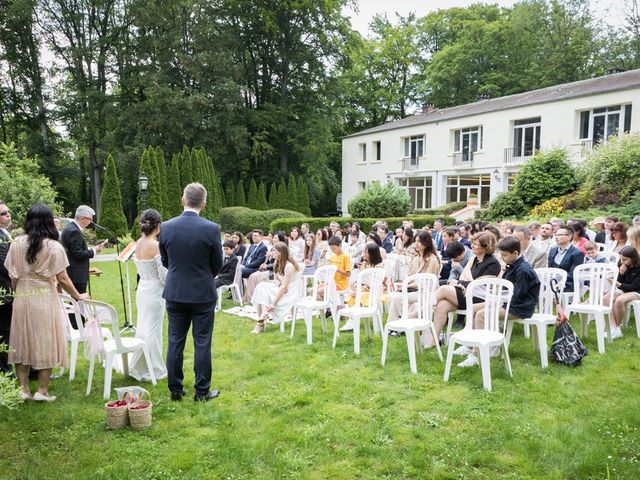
245, 219
366, 224
445, 209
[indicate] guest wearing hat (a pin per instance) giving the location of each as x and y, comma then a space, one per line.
598, 224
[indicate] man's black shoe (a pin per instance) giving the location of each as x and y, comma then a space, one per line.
210, 395
177, 396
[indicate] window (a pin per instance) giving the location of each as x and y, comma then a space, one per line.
600, 123
511, 180
362, 186
363, 152
466, 142
377, 149
414, 147
460, 188
526, 137
419, 190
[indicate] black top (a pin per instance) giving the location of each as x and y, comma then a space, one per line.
526, 288
5, 280
489, 266
77, 253
630, 280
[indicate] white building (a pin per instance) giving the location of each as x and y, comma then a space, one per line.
448, 155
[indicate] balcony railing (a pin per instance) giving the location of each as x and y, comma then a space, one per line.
463, 159
518, 156
410, 164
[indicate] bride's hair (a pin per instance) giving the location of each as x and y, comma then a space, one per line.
281, 262
149, 220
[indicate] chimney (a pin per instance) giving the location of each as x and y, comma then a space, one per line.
427, 108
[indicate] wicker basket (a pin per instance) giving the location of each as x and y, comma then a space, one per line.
118, 416
140, 418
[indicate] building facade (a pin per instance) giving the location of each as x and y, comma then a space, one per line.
454, 154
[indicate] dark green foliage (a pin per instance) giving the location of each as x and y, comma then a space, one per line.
366, 224
303, 196
507, 205
380, 201
252, 199
148, 165
273, 196
111, 214
262, 197
283, 198
292, 190
445, 209
230, 194
186, 167
223, 197
546, 175
162, 172
173, 208
240, 198
245, 219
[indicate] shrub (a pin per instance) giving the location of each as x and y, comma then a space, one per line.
245, 219
366, 224
610, 166
506, 205
377, 201
550, 208
445, 209
546, 175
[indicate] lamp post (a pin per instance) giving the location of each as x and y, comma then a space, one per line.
143, 181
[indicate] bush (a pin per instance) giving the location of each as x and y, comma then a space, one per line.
551, 208
244, 219
506, 205
545, 176
445, 209
378, 201
366, 224
610, 165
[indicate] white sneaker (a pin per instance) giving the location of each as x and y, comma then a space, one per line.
463, 350
616, 332
348, 327
470, 361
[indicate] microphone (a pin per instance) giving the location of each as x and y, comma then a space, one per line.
113, 238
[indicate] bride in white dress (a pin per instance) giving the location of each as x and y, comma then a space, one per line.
276, 299
149, 301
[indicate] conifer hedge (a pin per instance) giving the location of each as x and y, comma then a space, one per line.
111, 214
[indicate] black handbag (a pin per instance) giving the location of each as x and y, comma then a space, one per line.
567, 347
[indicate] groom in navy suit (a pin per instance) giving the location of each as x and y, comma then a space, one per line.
191, 251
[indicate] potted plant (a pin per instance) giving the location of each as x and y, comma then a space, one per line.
472, 199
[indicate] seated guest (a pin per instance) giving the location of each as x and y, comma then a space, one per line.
296, 244
373, 237
321, 243
311, 256
448, 236
633, 237
506, 229
526, 289
627, 288
386, 236
451, 297
593, 253
565, 256
305, 229
343, 264
609, 222
459, 256
464, 232
534, 229
240, 248
601, 234
578, 235
229, 262
265, 271
255, 256
533, 255
372, 259
404, 244
556, 223
545, 239
355, 245
618, 238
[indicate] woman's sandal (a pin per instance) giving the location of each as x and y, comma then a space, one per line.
259, 328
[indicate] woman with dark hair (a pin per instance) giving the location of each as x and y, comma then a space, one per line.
276, 299
372, 258
149, 301
240, 248
35, 262
311, 255
578, 237
626, 289
296, 244
619, 236
322, 245
373, 237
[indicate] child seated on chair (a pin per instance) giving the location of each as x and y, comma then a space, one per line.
372, 259
526, 290
343, 264
593, 254
626, 289
229, 262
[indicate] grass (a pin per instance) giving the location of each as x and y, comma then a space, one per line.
288, 410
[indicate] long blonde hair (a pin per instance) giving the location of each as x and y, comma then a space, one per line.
633, 235
281, 261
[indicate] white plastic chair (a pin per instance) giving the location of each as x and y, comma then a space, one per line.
496, 293
236, 287
373, 278
544, 317
612, 257
426, 284
105, 313
635, 305
324, 275
599, 277
602, 247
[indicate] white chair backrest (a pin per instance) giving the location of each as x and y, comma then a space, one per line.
104, 313
497, 294
602, 247
237, 277
598, 277
426, 284
612, 257
546, 298
373, 278
70, 306
324, 275
389, 264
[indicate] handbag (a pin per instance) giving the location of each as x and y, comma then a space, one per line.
567, 348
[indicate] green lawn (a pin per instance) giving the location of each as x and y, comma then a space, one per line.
288, 410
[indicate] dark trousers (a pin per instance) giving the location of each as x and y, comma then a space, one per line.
81, 288
181, 317
5, 330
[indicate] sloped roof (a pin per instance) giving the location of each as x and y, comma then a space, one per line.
604, 84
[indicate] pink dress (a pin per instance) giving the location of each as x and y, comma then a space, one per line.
38, 335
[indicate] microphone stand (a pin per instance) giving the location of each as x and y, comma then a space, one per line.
113, 238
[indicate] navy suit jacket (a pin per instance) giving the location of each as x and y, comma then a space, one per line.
191, 251
570, 261
255, 256
77, 253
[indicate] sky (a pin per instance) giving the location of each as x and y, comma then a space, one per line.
610, 11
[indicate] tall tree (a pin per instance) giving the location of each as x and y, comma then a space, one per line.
262, 197
111, 214
252, 199
173, 207
292, 191
162, 172
186, 167
303, 197
240, 198
230, 194
283, 200
273, 196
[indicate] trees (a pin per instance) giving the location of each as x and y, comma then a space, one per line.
173, 207
252, 199
282, 197
240, 198
303, 197
111, 214
262, 197
230, 194
273, 196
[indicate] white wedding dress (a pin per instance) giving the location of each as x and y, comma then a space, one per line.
151, 308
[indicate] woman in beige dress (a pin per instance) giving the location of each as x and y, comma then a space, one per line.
34, 262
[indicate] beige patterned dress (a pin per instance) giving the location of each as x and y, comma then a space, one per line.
37, 324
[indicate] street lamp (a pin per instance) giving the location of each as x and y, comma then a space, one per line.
143, 181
